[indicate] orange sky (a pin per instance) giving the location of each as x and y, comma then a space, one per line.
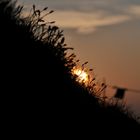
105, 33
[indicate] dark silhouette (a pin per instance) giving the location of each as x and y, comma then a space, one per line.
120, 93
38, 87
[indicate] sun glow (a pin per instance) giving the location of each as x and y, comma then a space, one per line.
82, 75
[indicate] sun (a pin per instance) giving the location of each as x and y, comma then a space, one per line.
82, 75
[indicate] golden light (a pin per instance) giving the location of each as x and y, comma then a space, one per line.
82, 75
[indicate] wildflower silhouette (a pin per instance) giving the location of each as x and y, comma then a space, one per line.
37, 79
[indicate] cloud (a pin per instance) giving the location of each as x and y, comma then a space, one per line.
133, 10
86, 16
85, 22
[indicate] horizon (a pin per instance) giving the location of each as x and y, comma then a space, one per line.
106, 34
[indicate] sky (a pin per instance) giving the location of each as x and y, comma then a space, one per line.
106, 33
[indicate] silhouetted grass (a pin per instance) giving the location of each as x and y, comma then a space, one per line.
37, 77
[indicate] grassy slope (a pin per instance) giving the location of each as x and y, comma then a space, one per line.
38, 84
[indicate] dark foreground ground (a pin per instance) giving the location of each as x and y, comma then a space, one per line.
40, 94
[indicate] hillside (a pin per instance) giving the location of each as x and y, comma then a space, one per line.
37, 82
